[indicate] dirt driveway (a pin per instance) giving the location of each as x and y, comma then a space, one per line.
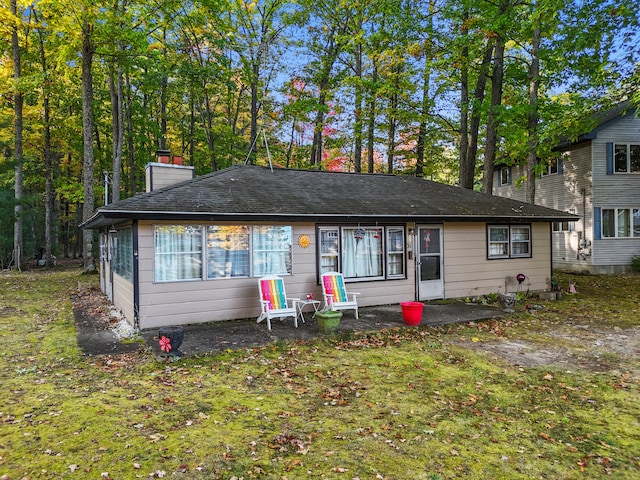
569, 346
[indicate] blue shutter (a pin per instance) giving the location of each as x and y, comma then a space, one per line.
597, 223
609, 158
560, 166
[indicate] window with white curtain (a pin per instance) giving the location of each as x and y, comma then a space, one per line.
271, 250
178, 252
363, 253
194, 252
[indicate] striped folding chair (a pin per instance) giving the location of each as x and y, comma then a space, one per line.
274, 302
335, 294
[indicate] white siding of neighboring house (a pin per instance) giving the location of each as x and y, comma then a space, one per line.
468, 272
570, 191
513, 189
620, 190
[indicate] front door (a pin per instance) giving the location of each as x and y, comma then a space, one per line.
429, 262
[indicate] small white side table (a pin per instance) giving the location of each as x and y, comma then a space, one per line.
300, 304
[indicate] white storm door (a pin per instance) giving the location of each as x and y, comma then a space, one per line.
429, 262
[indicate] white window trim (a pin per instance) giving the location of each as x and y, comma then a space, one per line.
509, 242
632, 212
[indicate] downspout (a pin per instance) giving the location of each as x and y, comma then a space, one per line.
136, 276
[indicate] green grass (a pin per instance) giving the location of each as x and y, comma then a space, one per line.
395, 404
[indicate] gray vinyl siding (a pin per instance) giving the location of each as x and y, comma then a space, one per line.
620, 190
512, 190
570, 191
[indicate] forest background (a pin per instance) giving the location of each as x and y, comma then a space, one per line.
441, 89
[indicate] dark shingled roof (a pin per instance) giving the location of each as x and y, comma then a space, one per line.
599, 119
253, 193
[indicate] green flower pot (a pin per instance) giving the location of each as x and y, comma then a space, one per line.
328, 320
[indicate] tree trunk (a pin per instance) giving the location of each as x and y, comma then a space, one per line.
164, 81
371, 129
117, 124
532, 124
48, 160
253, 130
316, 147
87, 140
332, 50
130, 146
497, 76
426, 101
357, 127
393, 120
476, 111
116, 91
18, 101
492, 121
466, 169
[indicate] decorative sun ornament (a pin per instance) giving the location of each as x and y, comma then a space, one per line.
304, 241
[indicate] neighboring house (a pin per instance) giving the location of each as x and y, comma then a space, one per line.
597, 178
193, 252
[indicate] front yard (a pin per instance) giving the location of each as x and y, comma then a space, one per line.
551, 394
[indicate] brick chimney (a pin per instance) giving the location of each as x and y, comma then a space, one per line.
166, 171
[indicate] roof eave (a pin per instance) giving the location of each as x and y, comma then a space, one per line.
111, 217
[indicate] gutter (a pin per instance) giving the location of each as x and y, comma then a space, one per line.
115, 216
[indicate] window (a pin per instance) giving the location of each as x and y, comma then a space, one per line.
122, 253
620, 222
329, 249
551, 167
505, 176
564, 226
363, 252
227, 251
626, 158
178, 252
231, 251
395, 252
271, 250
508, 241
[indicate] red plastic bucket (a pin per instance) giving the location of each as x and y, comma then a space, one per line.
412, 312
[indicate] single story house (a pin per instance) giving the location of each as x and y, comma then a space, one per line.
193, 251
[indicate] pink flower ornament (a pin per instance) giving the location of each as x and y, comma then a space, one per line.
165, 344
